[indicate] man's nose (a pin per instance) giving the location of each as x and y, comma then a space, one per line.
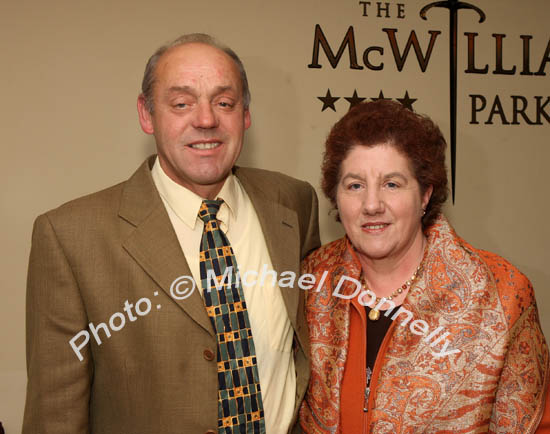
205, 116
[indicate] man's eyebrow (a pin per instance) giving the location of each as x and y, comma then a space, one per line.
179, 89
190, 90
221, 89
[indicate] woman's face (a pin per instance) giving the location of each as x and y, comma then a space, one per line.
379, 202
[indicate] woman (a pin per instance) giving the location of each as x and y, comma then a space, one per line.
413, 330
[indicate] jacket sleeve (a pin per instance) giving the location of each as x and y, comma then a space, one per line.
58, 389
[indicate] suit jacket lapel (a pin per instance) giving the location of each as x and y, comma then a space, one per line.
154, 244
281, 231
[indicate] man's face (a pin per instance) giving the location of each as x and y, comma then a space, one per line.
198, 118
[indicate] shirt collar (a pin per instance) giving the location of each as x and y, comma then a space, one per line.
230, 195
186, 204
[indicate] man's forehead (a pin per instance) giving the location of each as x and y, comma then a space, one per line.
197, 56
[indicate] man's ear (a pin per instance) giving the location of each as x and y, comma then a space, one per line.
247, 119
145, 117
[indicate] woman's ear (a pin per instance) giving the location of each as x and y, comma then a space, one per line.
426, 196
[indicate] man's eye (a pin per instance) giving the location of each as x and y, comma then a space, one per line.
392, 185
180, 105
225, 104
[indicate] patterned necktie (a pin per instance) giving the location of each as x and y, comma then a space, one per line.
240, 406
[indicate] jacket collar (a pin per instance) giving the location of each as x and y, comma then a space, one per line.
154, 245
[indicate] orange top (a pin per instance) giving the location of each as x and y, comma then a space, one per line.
487, 370
353, 418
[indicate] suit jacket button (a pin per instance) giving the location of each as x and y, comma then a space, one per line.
208, 355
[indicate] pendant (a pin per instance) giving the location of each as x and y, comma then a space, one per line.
374, 315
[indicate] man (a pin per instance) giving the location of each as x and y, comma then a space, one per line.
118, 340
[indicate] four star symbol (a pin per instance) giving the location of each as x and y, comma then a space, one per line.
381, 97
354, 100
328, 100
406, 101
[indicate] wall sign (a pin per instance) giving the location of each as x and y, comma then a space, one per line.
486, 110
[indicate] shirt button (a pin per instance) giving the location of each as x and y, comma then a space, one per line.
208, 355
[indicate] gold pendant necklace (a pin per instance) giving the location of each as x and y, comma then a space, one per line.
374, 314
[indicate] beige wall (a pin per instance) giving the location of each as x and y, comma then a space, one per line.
71, 72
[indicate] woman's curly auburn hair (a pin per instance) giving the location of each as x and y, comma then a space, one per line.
416, 136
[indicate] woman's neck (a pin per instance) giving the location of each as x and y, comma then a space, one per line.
384, 276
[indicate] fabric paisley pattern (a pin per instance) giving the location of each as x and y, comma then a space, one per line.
496, 381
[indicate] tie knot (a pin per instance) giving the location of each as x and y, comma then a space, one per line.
209, 209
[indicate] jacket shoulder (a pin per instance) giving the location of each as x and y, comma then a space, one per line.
268, 175
275, 185
105, 204
88, 208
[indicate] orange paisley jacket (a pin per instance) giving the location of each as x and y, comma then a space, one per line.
470, 356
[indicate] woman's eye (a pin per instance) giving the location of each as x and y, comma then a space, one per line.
354, 186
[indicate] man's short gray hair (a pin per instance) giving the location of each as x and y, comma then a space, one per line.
149, 76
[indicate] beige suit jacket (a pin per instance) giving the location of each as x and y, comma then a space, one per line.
156, 374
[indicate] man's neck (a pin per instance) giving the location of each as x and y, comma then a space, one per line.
206, 191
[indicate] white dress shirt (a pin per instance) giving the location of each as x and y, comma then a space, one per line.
271, 327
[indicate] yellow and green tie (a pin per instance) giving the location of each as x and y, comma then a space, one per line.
240, 406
